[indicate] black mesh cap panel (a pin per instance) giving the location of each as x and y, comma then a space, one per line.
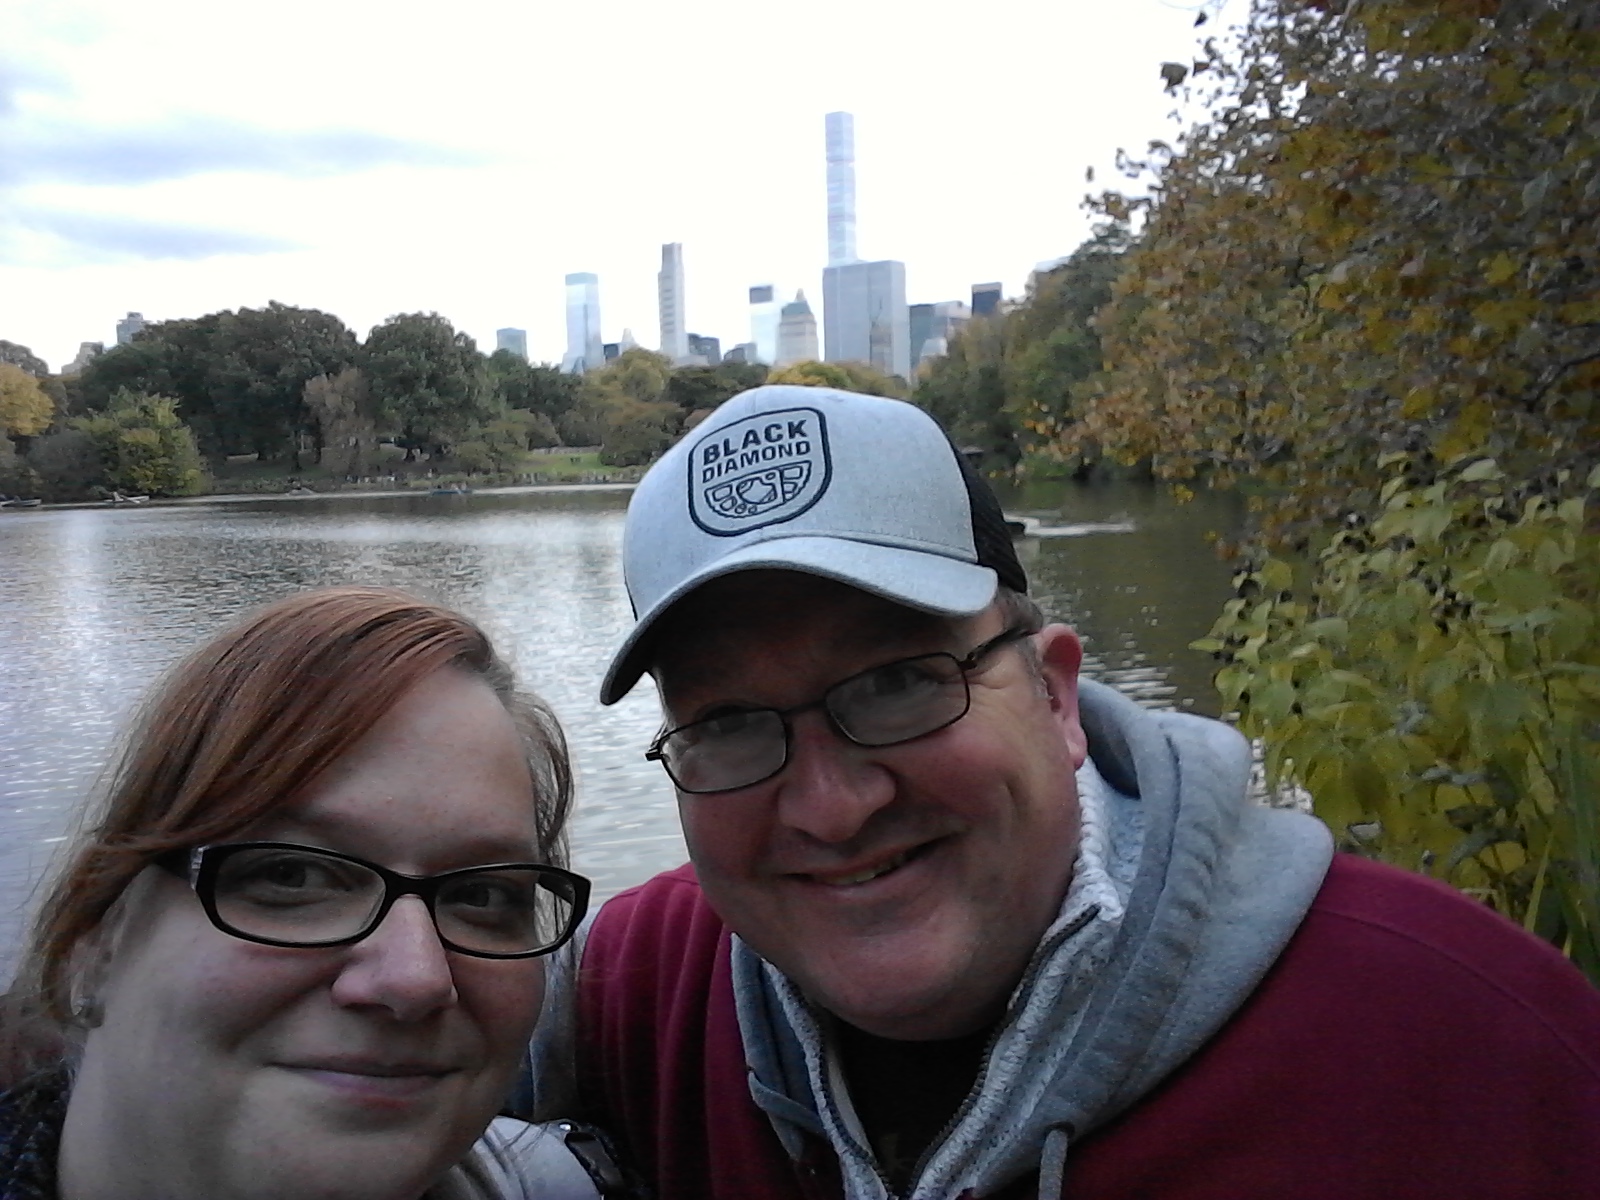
990, 536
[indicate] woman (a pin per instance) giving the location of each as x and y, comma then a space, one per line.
298, 954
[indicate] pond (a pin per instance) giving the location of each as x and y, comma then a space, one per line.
96, 602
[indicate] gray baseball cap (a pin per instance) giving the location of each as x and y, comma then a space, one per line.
861, 489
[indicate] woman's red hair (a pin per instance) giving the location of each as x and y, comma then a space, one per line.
244, 725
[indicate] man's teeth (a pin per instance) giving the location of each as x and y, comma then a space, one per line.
882, 868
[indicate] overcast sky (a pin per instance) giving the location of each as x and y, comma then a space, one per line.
177, 157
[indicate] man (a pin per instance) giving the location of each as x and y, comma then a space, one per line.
962, 924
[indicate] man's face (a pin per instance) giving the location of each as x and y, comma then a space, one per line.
901, 887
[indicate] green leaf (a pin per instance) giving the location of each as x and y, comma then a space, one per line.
1484, 468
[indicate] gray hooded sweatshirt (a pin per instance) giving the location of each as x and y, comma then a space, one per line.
1183, 894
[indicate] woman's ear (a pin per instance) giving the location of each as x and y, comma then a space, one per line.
90, 965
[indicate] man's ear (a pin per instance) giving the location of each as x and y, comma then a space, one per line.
1060, 657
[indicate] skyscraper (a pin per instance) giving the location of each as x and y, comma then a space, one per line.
864, 315
585, 350
985, 299
128, 326
669, 290
764, 316
932, 327
841, 132
797, 332
514, 340
707, 350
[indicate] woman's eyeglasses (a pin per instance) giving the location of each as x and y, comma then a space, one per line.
281, 894
883, 706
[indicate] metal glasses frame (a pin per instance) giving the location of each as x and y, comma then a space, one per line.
968, 662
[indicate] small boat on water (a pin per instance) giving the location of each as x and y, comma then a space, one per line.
451, 489
19, 502
120, 498
300, 489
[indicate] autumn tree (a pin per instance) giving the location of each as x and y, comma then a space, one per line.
1368, 287
1010, 384
850, 376
25, 409
144, 447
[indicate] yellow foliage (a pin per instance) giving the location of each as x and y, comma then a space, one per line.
25, 409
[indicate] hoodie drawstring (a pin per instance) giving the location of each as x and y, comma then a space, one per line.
1053, 1162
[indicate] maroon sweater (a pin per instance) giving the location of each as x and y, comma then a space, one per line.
1407, 1043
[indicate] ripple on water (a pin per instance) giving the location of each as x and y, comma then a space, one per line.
96, 604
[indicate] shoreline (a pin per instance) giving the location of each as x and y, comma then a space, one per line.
243, 497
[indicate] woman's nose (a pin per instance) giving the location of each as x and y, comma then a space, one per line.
401, 966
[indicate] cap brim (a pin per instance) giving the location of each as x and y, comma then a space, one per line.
931, 582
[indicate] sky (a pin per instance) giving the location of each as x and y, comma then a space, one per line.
179, 157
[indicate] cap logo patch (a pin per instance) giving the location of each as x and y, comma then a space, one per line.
760, 471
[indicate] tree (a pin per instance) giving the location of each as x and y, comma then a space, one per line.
1011, 383
21, 356
143, 447
260, 363
701, 389
25, 409
342, 408
850, 376
428, 381
538, 388
17, 476
1367, 286
67, 465
238, 377
499, 446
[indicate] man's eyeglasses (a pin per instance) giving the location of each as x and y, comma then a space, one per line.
281, 894
882, 706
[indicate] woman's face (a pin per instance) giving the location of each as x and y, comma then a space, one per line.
240, 1070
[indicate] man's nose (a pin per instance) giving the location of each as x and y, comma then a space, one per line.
401, 966
830, 787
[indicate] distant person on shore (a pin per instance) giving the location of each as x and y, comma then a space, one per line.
298, 952
960, 923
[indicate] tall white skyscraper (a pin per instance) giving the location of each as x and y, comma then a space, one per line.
669, 291
765, 313
841, 128
585, 350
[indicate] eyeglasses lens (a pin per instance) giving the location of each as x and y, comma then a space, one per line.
303, 898
295, 896
892, 703
900, 700
726, 751
503, 910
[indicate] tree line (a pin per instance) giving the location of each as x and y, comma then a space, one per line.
1365, 289
296, 388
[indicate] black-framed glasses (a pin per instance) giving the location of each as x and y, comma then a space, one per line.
882, 706
282, 894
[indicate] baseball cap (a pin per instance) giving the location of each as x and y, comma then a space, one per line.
861, 489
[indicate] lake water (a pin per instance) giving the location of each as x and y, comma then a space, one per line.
96, 603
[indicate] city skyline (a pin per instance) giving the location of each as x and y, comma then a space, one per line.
148, 172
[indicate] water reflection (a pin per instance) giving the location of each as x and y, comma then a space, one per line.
95, 604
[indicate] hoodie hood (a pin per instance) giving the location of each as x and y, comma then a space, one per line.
1184, 893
